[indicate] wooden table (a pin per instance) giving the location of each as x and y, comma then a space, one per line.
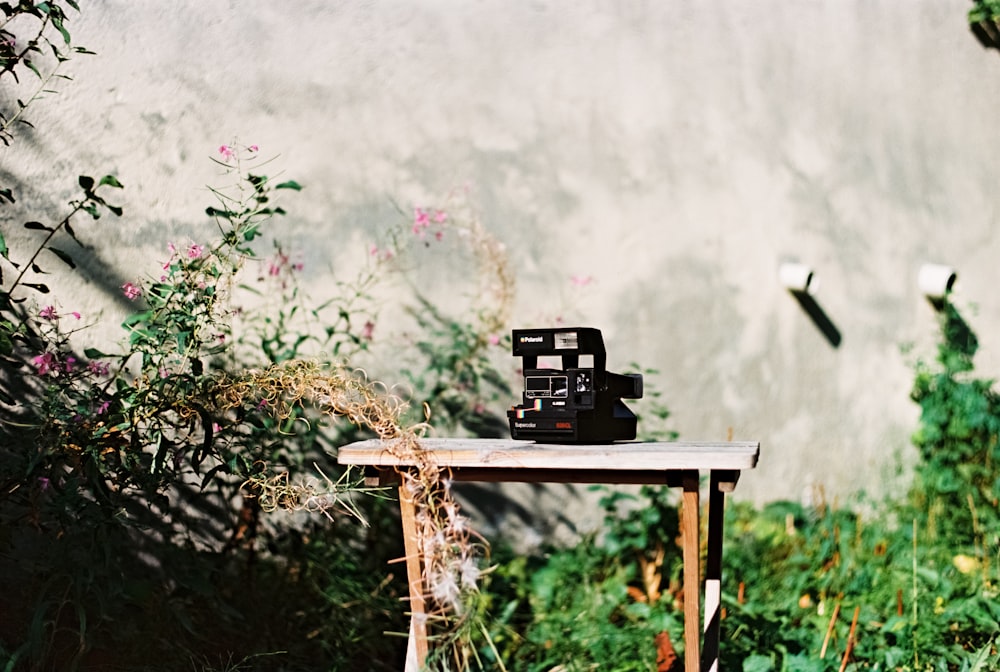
675, 464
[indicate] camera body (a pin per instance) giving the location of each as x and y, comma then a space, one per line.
574, 404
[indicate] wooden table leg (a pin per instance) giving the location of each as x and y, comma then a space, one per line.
416, 647
713, 574
692, 583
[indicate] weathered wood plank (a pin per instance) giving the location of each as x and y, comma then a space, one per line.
507, 453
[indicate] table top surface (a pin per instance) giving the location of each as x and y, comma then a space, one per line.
511, 454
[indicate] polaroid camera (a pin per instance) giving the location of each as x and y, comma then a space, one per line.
574, 404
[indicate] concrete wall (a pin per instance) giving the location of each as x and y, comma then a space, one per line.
674, 153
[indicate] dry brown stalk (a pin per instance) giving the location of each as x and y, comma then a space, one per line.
829, 630
850, 639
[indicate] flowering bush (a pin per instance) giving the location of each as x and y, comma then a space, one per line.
192, 410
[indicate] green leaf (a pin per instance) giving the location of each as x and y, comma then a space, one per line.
58, 23
216, 212
290, 184
757, 663
111, 181
37, 226
38, 287
62, 255
94, 353
3, 246
86, 182
136, 318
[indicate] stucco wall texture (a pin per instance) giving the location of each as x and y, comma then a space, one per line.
674, 153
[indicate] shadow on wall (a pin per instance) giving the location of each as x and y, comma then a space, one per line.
799, 280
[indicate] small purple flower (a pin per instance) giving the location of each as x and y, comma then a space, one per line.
103, 408
131, 292
68, 364
48, 313
195, 251
98, 368
45, 363
227, 152
44, 483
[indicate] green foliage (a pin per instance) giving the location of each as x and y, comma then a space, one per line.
920, 573
458, 382
33, 39
984, 10
576, 608
129, 530
957, 487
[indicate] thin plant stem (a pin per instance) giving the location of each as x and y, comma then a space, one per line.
829, 630
916, 657
850, 639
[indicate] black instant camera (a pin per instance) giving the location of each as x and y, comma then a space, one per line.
575, 404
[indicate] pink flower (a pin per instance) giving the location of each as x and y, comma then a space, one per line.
45, 363
131, 292
279, 261
195, 251
98, 368
373, 250
76, 315
440, 216
494, 339
368, 331
48, 313
421, 220
103, 408
581, 280
227, 152
253, 149
438, 235
68, 364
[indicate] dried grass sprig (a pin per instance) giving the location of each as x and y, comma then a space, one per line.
453, 553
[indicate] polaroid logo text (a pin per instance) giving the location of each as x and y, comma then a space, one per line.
532, 339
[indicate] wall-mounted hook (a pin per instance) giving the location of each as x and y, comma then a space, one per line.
936, 282
800, 280
797, 277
